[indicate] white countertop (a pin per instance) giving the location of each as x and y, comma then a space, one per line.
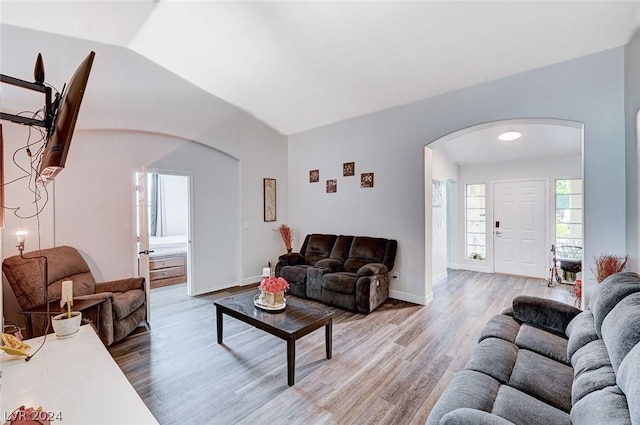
75, 379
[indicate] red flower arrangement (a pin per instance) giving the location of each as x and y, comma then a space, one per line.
274, 284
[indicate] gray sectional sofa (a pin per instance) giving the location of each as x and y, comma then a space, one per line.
543, 362
351, 272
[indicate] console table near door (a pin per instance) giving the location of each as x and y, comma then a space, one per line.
296, 321
75, 381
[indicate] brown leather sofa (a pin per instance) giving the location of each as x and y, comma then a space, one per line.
351, 272
124, 306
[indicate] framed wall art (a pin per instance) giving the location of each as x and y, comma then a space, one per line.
269, 192
349, 169
314, 176
332, 186
366, 180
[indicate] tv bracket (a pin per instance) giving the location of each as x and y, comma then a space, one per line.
49, 106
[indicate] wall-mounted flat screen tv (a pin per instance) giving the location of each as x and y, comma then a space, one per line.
64, 122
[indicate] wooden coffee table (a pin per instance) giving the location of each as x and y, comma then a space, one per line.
296, 321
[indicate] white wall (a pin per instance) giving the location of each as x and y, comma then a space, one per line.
444, 169
632, 110
137, 113
391, 144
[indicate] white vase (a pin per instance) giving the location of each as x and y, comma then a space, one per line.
65, 326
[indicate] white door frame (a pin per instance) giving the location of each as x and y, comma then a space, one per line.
141, 232
141, 261
491, 213
190, 254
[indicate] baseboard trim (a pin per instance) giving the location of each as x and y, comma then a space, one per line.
245, 282
410, 298
473, 268
251, 279
440, 278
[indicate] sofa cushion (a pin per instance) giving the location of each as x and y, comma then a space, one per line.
465, 416
592, 356
522, 409
609, 293
542, 342
294, 273
330, 264
341, 248
340, 282
581, 331
469, 389
606, 406
363, 251
501, 326
125, 303
629, 381
318, 247
621, 328
592, 370
541, 312
592, 380
532, 374
494, 357
347, 301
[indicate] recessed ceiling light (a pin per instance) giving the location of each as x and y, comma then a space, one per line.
509, 136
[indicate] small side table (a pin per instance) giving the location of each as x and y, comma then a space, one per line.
54, 309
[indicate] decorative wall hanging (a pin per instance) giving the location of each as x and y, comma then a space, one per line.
269, 191
349, 169
366, 180
314, 176
332, 186
438, 193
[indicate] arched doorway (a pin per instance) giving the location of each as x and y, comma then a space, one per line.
473, 162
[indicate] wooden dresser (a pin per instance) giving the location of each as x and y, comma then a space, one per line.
168, 269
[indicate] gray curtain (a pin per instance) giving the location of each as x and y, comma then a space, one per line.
157, 214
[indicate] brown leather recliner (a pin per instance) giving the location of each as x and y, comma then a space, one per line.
351, 272
124, 306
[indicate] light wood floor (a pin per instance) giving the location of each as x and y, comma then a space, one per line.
388, 367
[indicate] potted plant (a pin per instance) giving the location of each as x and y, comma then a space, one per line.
606, 265
272, 291
66, 324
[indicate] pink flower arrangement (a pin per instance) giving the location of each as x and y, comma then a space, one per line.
273, 284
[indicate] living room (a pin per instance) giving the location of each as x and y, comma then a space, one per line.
137, 112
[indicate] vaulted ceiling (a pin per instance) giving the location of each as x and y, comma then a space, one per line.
300, 65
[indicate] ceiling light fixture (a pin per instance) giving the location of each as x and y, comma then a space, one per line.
509, 136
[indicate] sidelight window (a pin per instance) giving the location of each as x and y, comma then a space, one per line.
476, 223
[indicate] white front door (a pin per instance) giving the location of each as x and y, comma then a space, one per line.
519, 227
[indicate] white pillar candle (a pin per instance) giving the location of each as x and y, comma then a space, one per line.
67, 293
266, 272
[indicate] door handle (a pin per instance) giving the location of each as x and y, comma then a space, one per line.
146, 252
498, 233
